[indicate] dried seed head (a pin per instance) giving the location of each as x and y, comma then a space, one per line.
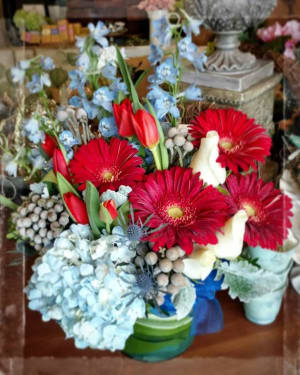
179, 140
44, 215
41, 202
63, 220
52, 216
34, 217
37, 239
165, 265
35, 198
23, 211
172, 289
178, 265
27, 222
151, 258
162, 279
30, 233
172, 132
58, 207
172, 253
42, 224
183, 130
31, 207
37, 210
188, 146
49, 203
43, 232
35, 227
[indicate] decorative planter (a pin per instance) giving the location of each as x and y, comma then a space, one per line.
157, 339
264, 310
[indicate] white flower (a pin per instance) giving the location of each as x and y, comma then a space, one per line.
230, 241
200, 263
205, 160
108, 55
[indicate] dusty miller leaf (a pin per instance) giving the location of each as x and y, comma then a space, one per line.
184, 301
245, 280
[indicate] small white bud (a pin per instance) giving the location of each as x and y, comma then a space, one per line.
23, 211
31, 207
172, 132
49, 203
35, 198
44, 215
34, 218
58, 207
162, 279
37, 210
62, 115
38, 239
179, 140
151, 258
54, 226
165, 265
63, 220
43, 232
41, 202
81, 114
160, 300
27, 222
178, 265
169, 143
183, 129
52, 216
22, 232
50, 235
42, 224
30, 233
172, 253
188, 146
178, 279
35, 227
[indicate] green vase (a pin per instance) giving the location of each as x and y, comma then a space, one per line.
158, 339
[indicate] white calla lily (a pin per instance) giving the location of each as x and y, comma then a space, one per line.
230, 241
200, 263
205, 160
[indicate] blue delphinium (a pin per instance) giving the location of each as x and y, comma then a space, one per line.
83, 61
108, 127
164, 103
38, 82
104, 97
118, 85
77, 81
166, 72
37, 159
162, 31
25, 64
67, 139
79, 284
109, 71
17, 74
33, 132
98, 33
91, 109
193, 93
47, 63
187, 48
156, 54
80, 43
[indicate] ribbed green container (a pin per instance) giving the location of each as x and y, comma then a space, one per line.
158, 339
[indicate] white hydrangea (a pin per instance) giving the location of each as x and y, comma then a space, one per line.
120, 196
78, 284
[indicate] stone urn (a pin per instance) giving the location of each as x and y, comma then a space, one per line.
228, 18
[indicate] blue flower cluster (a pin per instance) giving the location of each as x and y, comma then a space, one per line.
79, 284
168, 72
33, 132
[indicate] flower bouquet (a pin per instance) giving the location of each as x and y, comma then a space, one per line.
139, 222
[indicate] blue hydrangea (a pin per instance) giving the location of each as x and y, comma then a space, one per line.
67, 139
79, 284
108, 127
47, 63
98, 33
193, 93
156, 54
162, 31
104, 97
33, 132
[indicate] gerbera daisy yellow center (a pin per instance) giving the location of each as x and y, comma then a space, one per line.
249, 209
107, 176
226, 144
175, 212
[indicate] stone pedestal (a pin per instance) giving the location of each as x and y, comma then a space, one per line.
257, 101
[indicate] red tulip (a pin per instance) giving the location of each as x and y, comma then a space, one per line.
108, 211
146, 129
49, 145
60, 165
77, 208
124, 117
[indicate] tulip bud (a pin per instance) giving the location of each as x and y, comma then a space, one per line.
108, 211
124, 117
76, 207
60, 164
146, 129
205, 160
49, 145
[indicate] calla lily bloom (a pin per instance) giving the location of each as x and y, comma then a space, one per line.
205, 160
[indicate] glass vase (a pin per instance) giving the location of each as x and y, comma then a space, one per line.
158, 339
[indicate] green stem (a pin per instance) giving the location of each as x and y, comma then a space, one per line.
8, 203
157, 157
108, 228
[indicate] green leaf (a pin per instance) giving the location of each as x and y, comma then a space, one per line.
8, 203
141, 77
122, 67
92, 201
121, 96
295, 139
246, 281
50, 177
64, 186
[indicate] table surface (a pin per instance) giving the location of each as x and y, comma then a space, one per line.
30, 346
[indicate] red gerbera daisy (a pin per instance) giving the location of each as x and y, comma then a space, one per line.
267, 208
177, 199
242, 142
107, 166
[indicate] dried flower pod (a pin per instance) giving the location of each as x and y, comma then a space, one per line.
179, 140
165, 265
188, 146
42, 224
43, 215
50, 203
27, 222
34, 217
52, 216
172, 253
37, 210
43, 232
41, 202
31, 207
162, 279
37, 239
172, 132
35, 198
151, 258
178, 265
58, 207
23, 211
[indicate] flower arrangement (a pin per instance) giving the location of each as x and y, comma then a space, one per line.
160, 209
